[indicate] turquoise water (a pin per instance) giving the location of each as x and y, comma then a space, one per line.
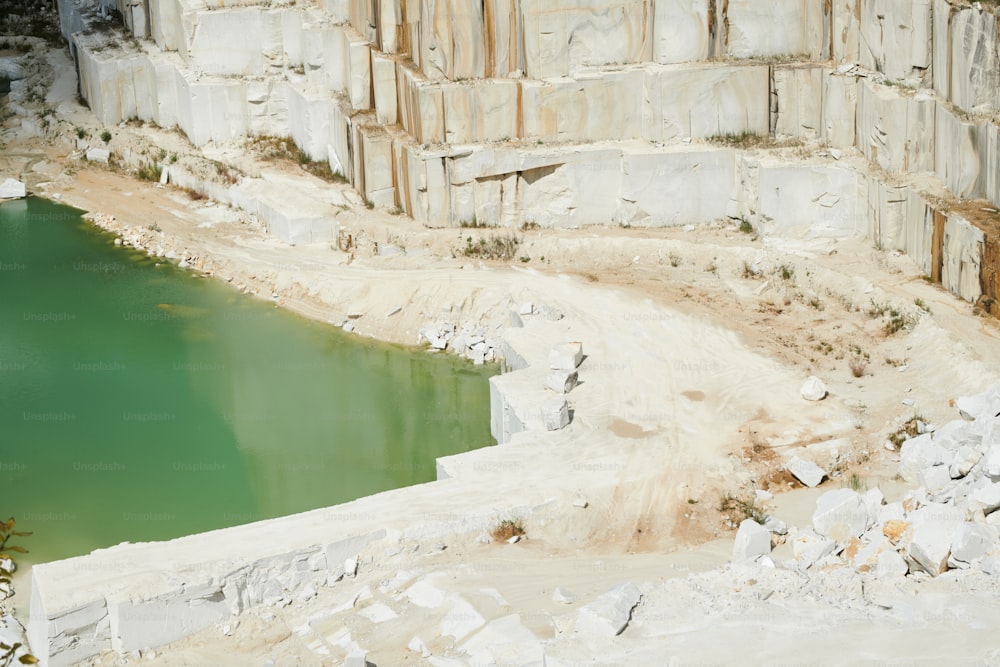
138, 402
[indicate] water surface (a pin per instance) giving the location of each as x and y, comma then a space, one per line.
139, 402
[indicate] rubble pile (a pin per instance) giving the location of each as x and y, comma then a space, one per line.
948, 522
469, 342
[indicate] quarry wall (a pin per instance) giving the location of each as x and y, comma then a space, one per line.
575, 113
561, 113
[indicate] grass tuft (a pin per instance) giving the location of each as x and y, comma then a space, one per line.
738, 509
857, 483
507, 529
496, 246
284, 149
149, 171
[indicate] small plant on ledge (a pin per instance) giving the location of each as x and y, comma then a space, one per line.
8, 652
502, 247
507, 529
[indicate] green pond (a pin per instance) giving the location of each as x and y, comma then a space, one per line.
139, 402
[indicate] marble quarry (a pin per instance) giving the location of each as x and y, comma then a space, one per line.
580, 112
560, 113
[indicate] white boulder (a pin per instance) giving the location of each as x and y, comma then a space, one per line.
840, 514
12, 188
936, 479
863, 553
805, 471
426, 594
98, 155
776, 526
813, 389
561, 382
958, 433
550, 313
433, 336
808, 547
478, 354
555, 414
964, 460
917, 454
891, 512
418, 645
990, 565
930, 544
610, 613
985, 498
504, 641
752, 541
356, 658
970, 542
462, 620
378, 612
873, 500
566, 357
991, 463
986, 404
890, 565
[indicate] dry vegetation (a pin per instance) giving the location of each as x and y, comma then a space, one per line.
501, 247
284, 149
738, 509
750, 140
507, 529
909, 429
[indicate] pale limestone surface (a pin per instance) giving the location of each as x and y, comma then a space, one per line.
578, 103
966, 60
11, 188
754, 28
259, 564
626, 74
896, 38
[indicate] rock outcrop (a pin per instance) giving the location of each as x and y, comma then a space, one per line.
633, 112
511, 113
11, 188
950, 521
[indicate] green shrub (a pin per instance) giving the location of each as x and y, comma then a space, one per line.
150, 172
738, 509
496, 246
